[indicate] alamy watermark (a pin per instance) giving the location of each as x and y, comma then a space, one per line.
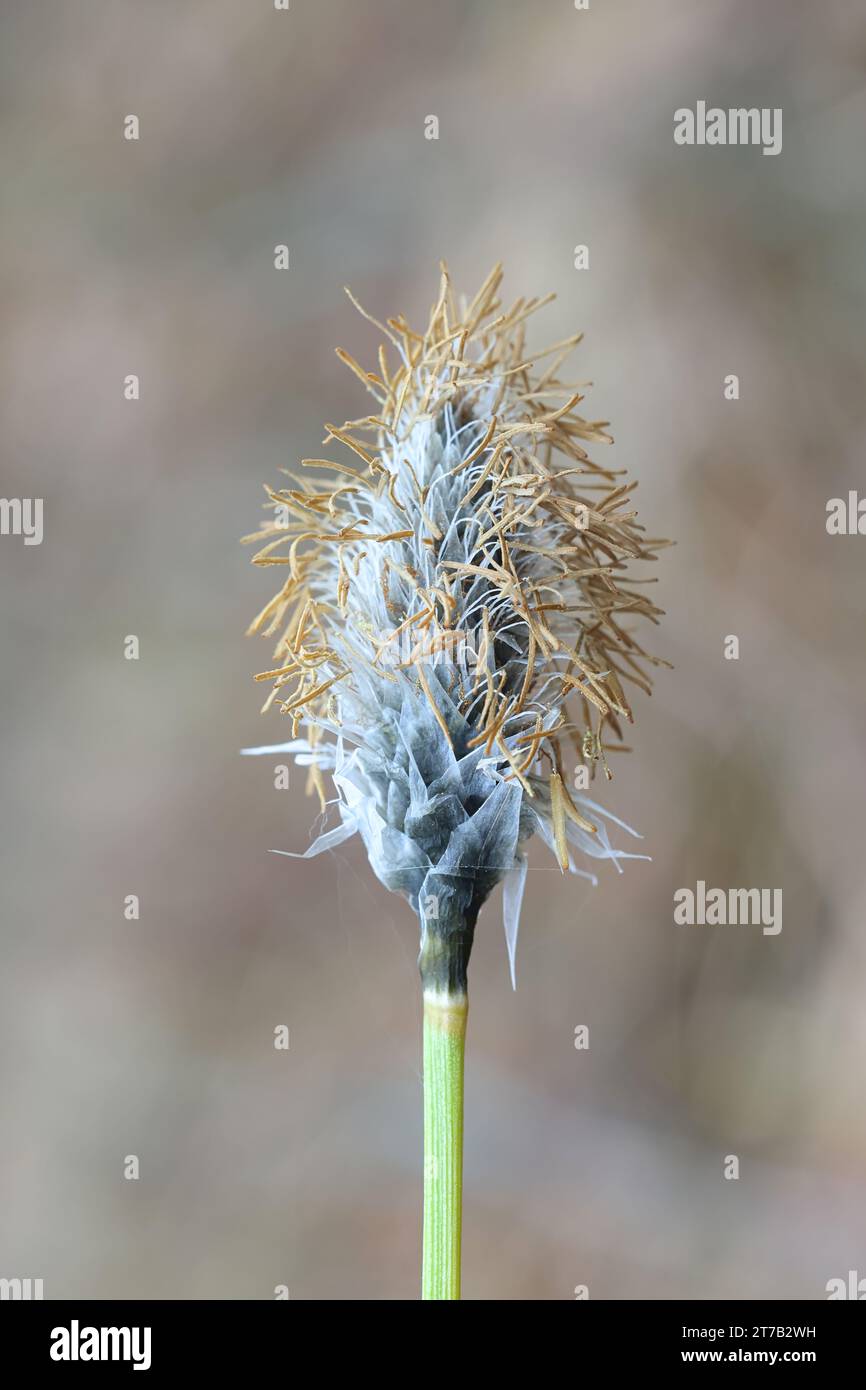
21, 1290
77, 1343
846, 516
737, 126
851, 1288
731, 907
22, 516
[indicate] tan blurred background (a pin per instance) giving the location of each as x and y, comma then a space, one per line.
155, 1037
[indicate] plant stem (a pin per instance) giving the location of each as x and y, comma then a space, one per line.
444, 1037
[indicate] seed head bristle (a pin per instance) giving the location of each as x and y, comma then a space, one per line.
470, 555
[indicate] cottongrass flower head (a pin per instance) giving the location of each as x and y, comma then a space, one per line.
454, 632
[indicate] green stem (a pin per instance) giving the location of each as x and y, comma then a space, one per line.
444, 1037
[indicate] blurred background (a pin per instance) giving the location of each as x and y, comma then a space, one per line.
155, 1037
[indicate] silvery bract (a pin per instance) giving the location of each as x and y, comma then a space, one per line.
454, 625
